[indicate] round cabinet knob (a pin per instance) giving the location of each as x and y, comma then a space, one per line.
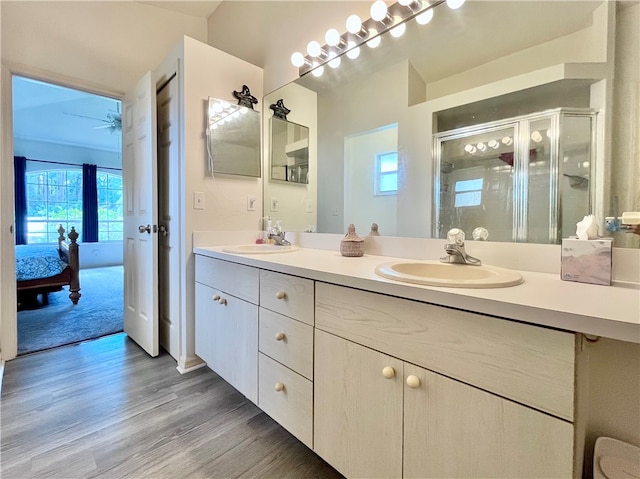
222, 301
413, 381
279, 336
216, 297
279, 387
281, 295
388, 372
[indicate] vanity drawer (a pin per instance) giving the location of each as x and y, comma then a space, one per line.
287, 341
287, 397
529, 364
288, 295
235, 279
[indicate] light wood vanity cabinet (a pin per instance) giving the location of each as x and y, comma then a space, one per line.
380, 416
226, 322
386, 387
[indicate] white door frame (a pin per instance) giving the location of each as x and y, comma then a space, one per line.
8, 300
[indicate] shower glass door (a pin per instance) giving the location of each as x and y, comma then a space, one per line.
476, 182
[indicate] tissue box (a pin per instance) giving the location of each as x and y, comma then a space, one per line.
587, 261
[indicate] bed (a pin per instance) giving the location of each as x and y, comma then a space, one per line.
42, 269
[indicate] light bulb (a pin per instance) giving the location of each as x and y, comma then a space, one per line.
352, 51
313, 48
317, 70
222, 121
214, 126
354, 24
507, 140
536, 136
244, 110
334, 60
405, 3
453, 4
425, 17
493, 144
217, 108
235, 114
332, 37
378, 10
225, 104
375, 40
398, 30
297, 59
481, 146
470, 149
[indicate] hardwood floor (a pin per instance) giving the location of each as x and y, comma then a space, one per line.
105, 409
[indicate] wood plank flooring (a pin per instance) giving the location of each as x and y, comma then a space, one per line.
105, 409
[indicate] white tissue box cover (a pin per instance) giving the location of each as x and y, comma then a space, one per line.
587, 261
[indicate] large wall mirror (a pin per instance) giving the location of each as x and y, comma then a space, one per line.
234, 139
485, 63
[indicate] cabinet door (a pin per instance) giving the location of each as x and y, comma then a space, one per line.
227, 338
357, 410
455, 430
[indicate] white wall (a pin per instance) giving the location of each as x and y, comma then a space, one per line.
106, 44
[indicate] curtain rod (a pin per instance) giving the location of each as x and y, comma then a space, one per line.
72, 164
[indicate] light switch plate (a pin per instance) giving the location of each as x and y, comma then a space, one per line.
198, 200
309, 206
251, 203
274, 204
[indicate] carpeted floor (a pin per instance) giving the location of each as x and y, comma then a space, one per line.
98, 313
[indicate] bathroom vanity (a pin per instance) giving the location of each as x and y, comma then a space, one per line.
387, 379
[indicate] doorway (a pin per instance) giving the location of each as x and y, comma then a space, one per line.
56, 130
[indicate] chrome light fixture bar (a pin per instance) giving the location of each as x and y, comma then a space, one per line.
392, 18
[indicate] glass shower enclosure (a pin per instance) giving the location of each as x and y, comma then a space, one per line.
524, 179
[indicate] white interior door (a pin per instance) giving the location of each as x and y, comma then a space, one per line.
140, 215
168, 229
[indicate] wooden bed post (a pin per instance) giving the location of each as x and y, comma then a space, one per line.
74, 285
74, 262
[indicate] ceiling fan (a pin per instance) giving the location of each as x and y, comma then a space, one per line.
113, 121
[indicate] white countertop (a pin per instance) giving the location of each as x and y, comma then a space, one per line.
543, 299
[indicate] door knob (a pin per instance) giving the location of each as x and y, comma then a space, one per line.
143, 228
162, 229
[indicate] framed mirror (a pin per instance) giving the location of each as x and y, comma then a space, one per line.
233, 139
289, 151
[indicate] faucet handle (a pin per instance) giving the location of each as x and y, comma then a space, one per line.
456, 236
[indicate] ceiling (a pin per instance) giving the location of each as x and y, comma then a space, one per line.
51, 113
202, 8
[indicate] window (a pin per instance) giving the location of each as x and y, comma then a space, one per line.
386, 176
468, 192
110, 217
53, 197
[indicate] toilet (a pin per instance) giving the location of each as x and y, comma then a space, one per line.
614, 459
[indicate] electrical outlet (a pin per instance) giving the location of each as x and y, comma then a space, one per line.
251, 203
198, 200
274, 204
335, 212
309, 206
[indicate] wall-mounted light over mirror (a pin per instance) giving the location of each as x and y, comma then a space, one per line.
487, 61
234, 137
289, 147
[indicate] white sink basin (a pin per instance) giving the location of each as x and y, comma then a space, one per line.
259, 249
434, 273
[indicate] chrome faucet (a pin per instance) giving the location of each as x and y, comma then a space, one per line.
277, 235
455, 249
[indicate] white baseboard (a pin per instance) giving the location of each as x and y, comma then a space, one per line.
186, 365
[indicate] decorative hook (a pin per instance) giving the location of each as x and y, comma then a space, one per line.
245, 98
279, 110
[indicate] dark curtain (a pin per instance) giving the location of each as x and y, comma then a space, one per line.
20, 189
89, 204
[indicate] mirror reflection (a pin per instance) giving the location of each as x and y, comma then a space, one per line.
289, 144
483, 63
233, 139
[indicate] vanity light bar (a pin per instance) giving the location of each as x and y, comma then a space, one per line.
390, 18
